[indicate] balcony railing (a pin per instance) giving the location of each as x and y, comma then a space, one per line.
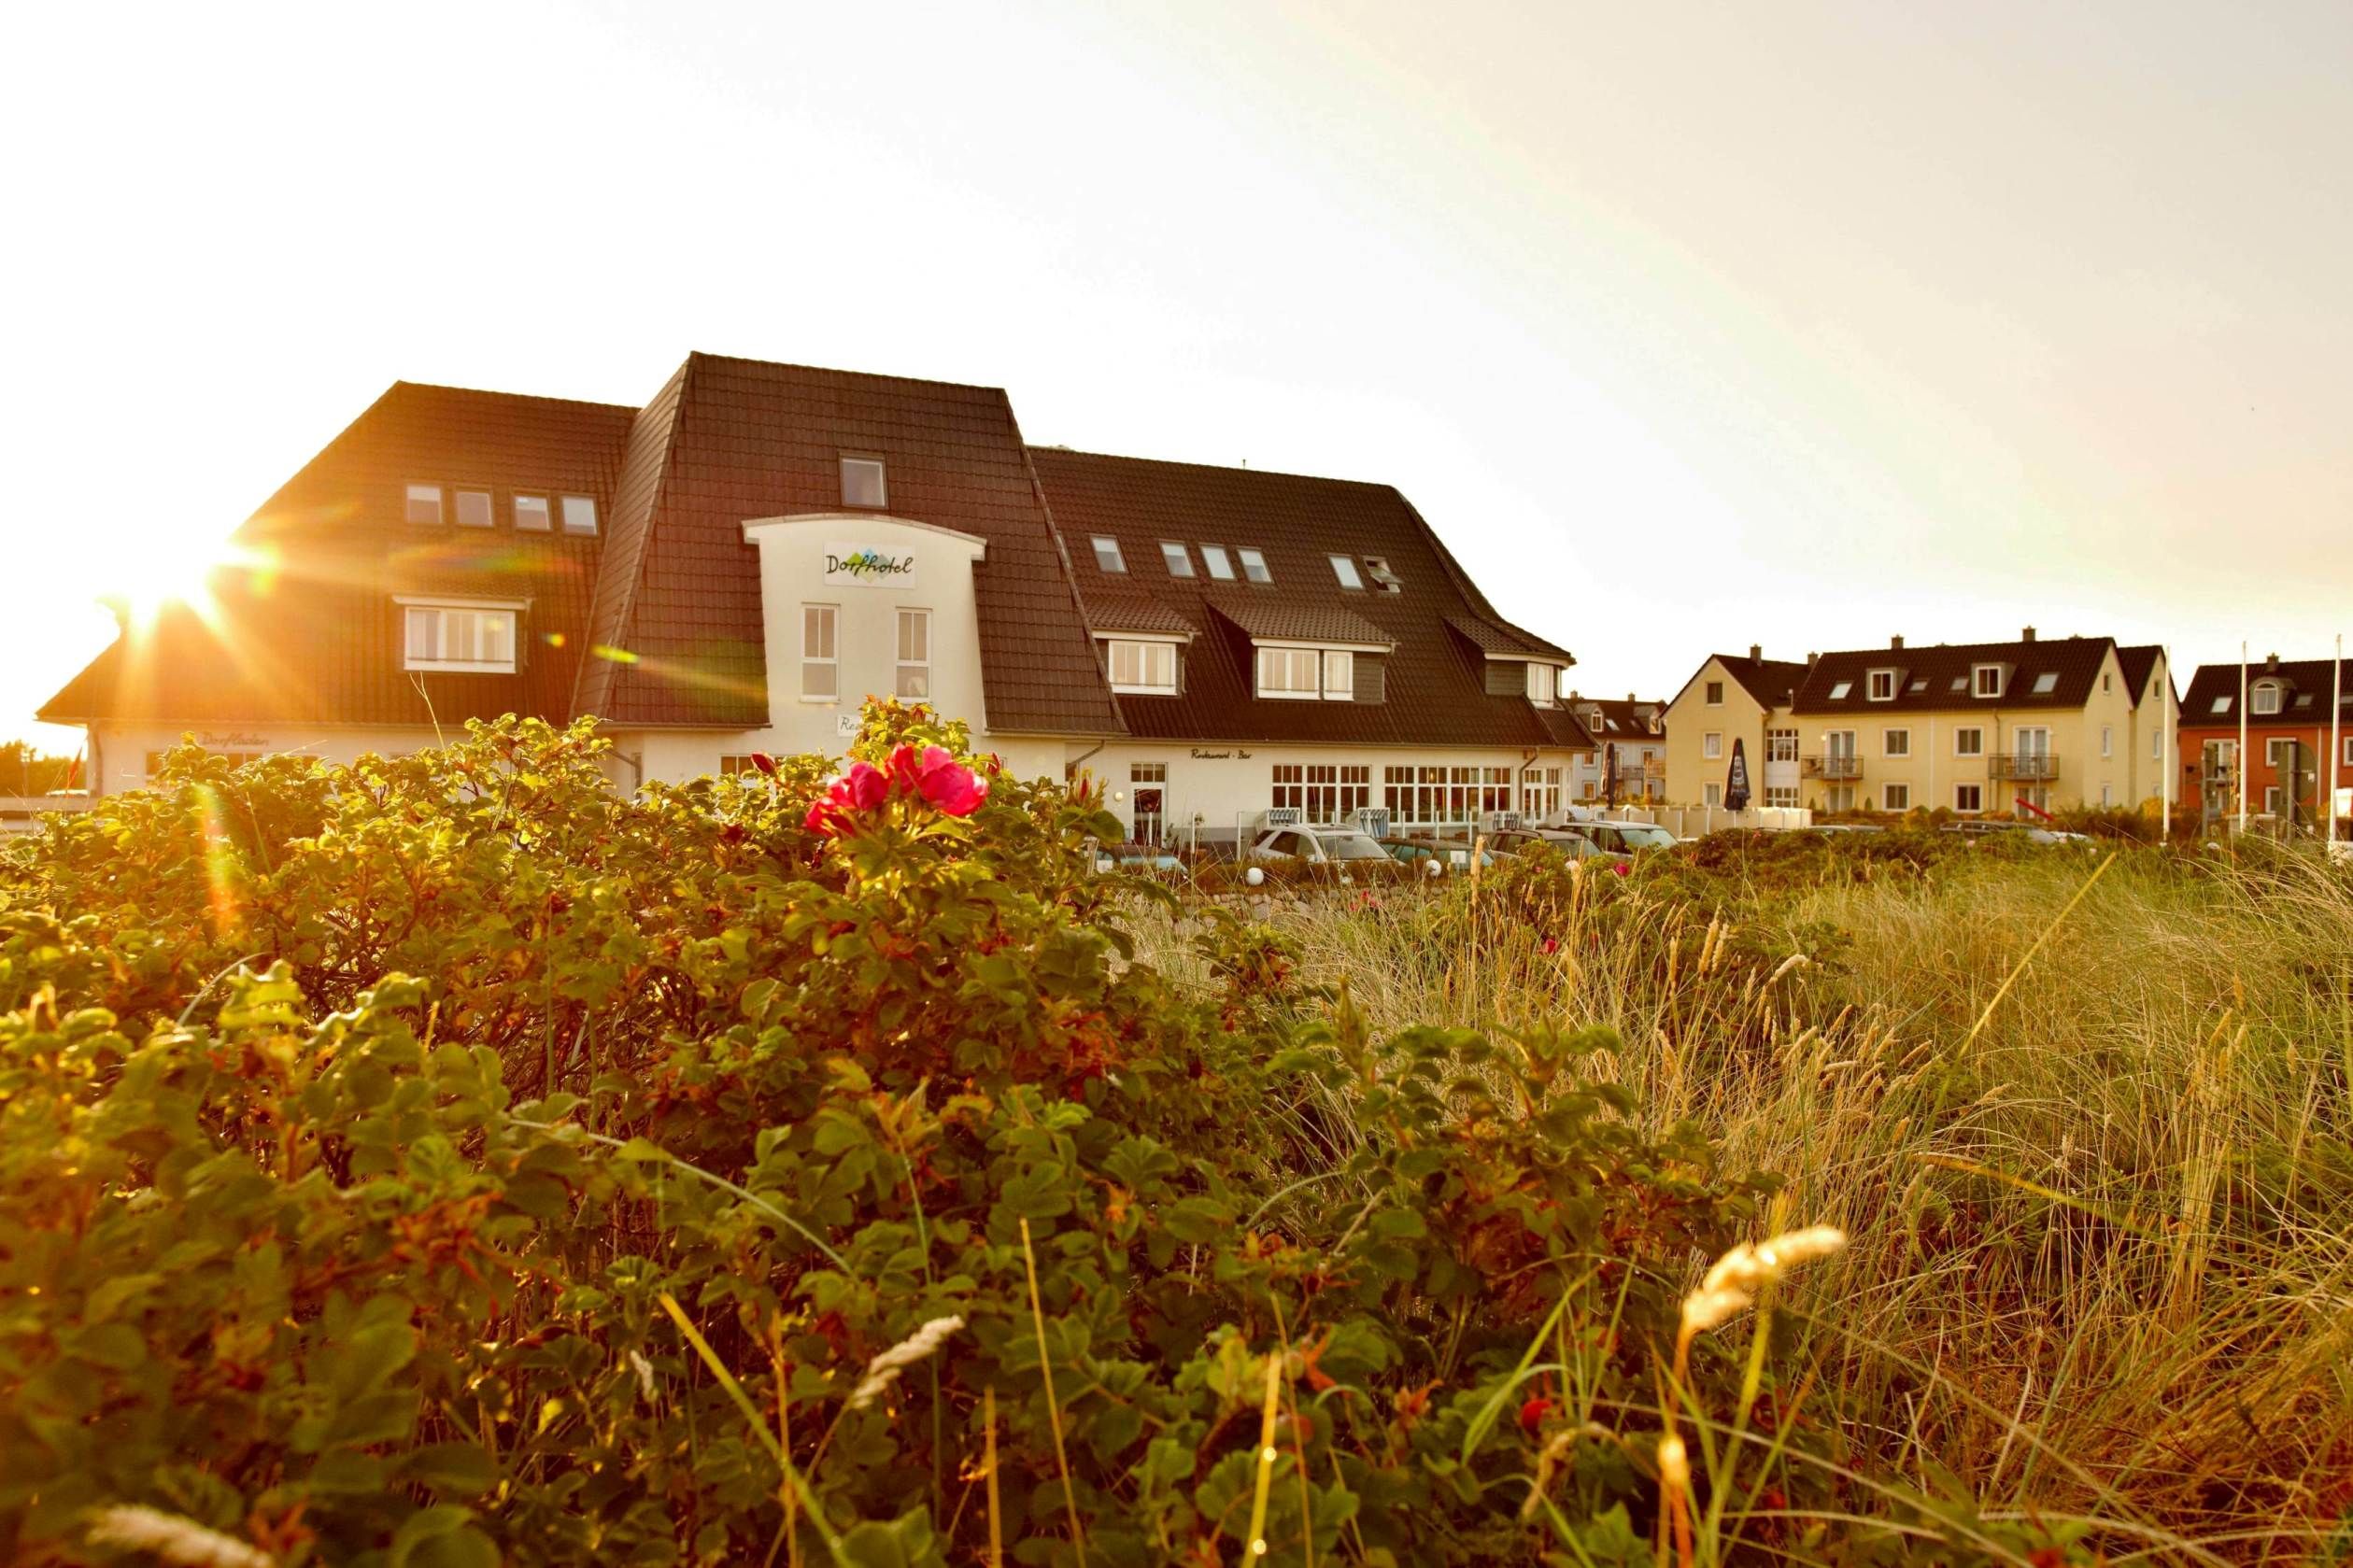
1655, 768
2022, 765
1835, 766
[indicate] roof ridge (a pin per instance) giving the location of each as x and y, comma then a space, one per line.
594, 666
1062, 555
1217, 468
694, 354
517, 397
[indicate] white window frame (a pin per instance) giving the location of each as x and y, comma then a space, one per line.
1544, 684
2349, 752
1219, 562
415, 493
1109, 558
458, 508
1871, 688
1887, 742
829, 616
2107, 795
1712, 745
2271, 748
1888, 793
579, 516
508, 611
2108, 740
546, 514
1339, 675
1974, 744
1176, 558
1254, 563
1712, 794
910, 616
1968, 798
2271, 799
1143, 651
2265, 699
1780, 745
1978, 686
882, 482
1780, 794
1289, 663
1345, 569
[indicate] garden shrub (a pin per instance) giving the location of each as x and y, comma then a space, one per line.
372, 1137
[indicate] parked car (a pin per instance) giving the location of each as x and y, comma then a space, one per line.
1624, 838
1449, 856
2032, 833
1569, 841
1342, 851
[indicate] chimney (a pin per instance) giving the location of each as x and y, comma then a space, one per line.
1630, 697
1895, 644
2270, 664
2026, 635
1756, 652
1811, 659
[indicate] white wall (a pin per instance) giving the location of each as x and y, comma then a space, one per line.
1224, 782
119, 759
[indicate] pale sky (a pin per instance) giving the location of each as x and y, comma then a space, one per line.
1687, 327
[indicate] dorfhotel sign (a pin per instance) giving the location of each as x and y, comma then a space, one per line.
868, 566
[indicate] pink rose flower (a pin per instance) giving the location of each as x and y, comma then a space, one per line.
866, 789
952, 788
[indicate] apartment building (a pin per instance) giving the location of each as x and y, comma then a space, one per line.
2288, 706
1987, 728
734, 566
1632, 735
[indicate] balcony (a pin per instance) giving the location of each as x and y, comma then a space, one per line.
2029, 766
1655, 768
1835, 766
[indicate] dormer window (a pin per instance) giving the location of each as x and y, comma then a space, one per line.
1220, 564
862, 483
475, 637
1307, 673
1179, 559
1254, 565
2265, 699
424, 504
1883, 685
1543, 685
1986, 679
1142, 668
1345, 569
1107, 555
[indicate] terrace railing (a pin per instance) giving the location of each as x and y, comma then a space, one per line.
1837, 765
2022, 765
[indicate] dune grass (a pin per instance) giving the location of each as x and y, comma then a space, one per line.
2103, 1222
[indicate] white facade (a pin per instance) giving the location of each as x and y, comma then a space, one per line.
1216, 791
121, 755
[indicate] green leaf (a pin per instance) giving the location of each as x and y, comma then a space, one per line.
451, 1469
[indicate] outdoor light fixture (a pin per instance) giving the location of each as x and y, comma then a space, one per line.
1254, 876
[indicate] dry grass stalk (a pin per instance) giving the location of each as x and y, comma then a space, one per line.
171, 1539
1053, 1406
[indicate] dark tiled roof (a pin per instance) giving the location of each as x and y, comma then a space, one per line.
2310, 684
1925, 676
2138, 662
1109, 609
1279, 620
1435, 691
1619, 720
748, 439
318, 638
1770, 681
1499, 638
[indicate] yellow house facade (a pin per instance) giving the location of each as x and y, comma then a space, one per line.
1978, 729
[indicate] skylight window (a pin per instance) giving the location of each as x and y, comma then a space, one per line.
1221, 565
579, 515
2221, 704
2047, 683
1345, 569
1961, 682
1918, 686
1840, 690
474, 509
424, 504
1179, 559
1377, 567
1107, 555
862, 482
1254, 565
532, 515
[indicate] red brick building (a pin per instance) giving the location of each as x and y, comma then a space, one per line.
2287, 729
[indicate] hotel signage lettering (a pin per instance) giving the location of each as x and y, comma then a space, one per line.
1200, 755
238, 739
868, 566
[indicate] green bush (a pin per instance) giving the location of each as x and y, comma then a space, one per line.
446, 1159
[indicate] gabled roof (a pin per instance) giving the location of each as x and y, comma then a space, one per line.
342, 548
1620, 719
1771, 682
1108, 610
679, 594
2138, 662
2310, 684
1926, 676
1434, 683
